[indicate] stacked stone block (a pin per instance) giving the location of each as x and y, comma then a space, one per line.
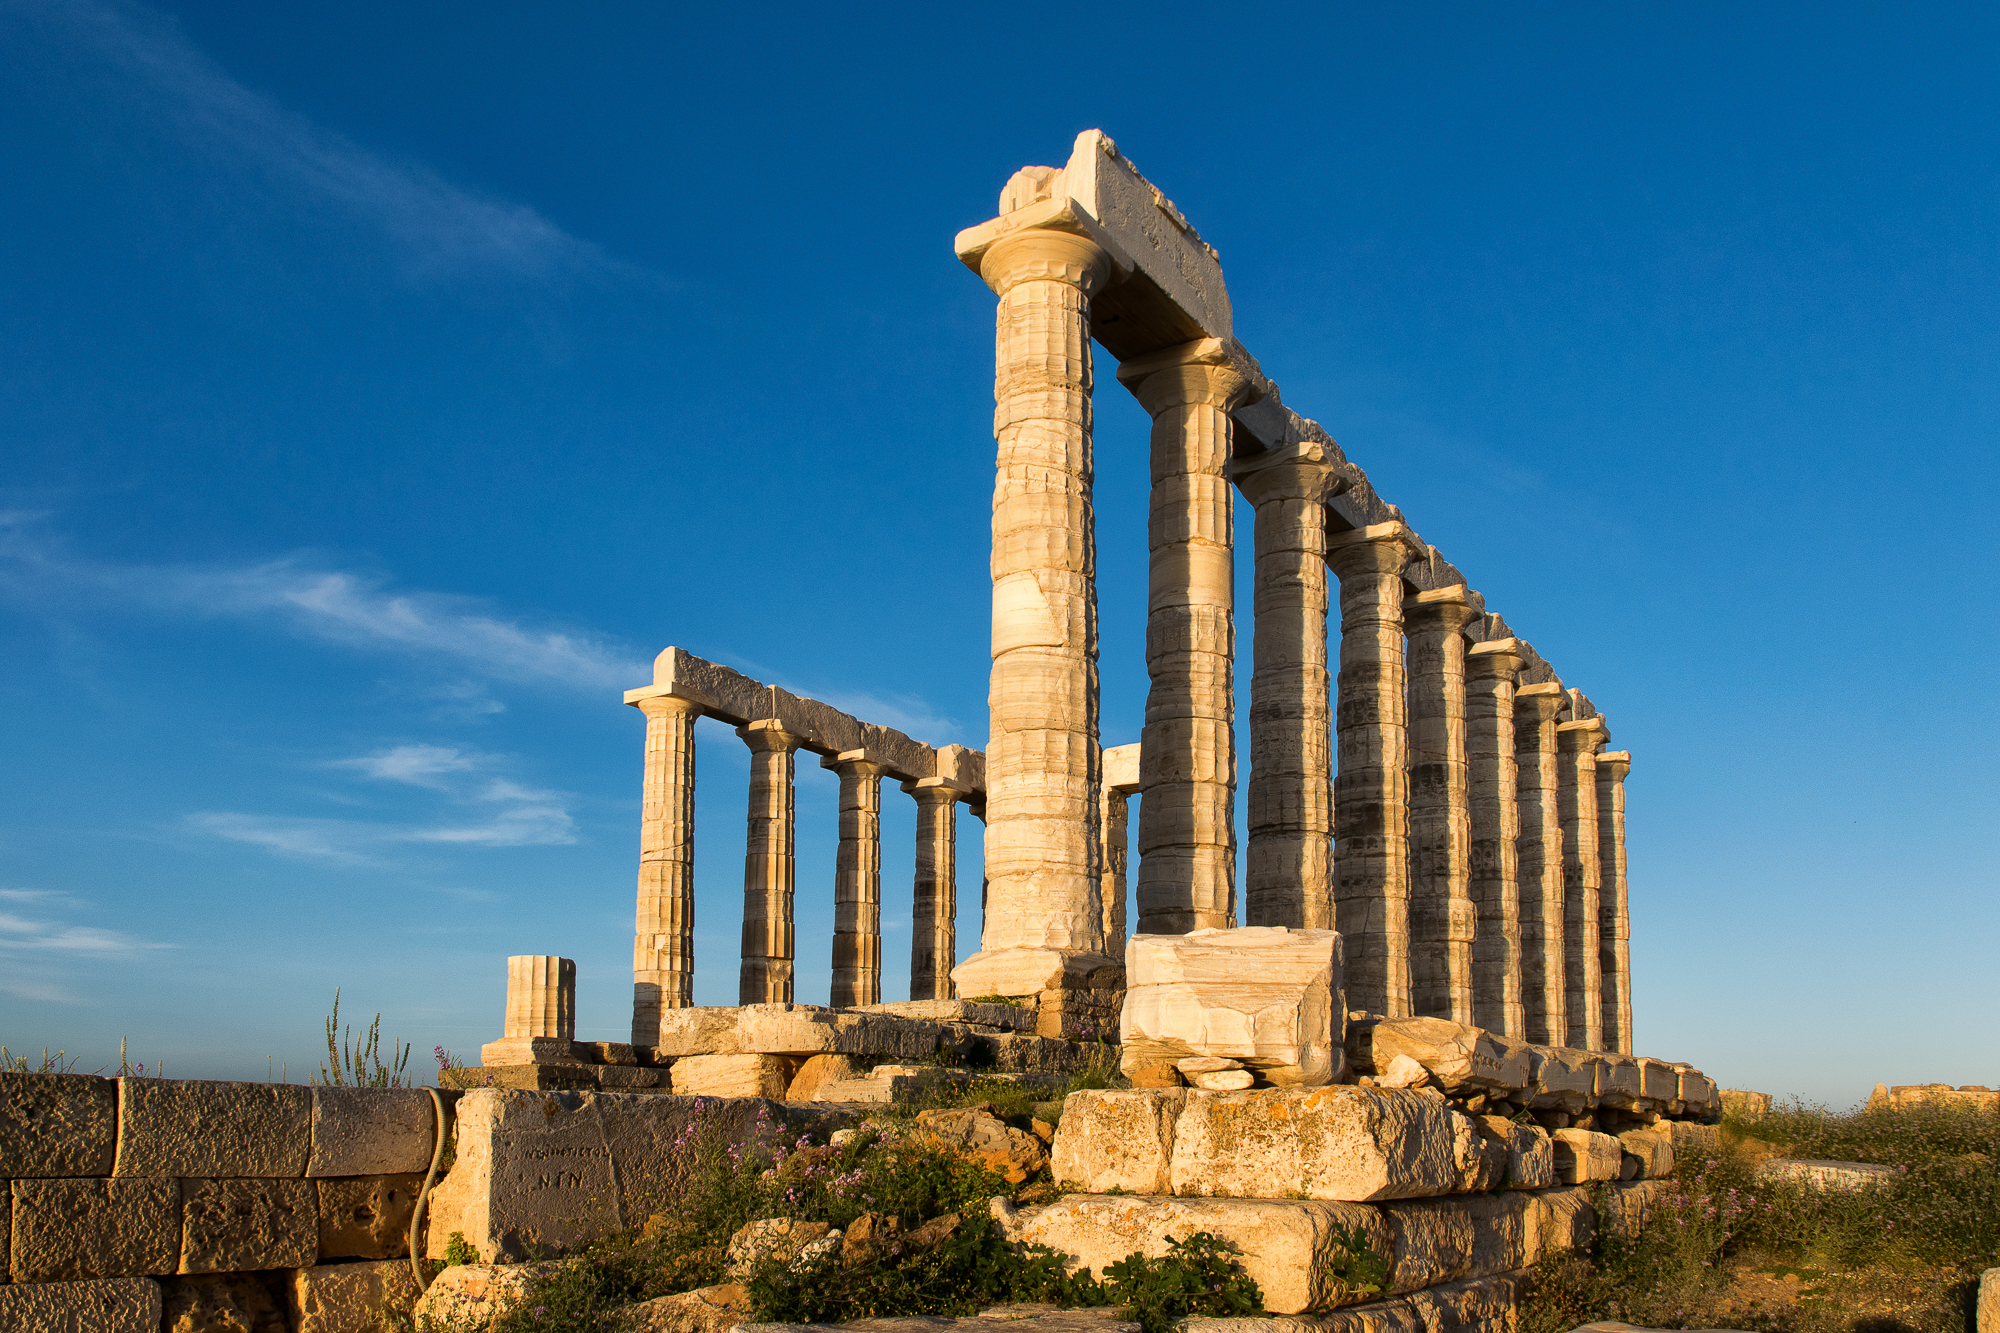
128, 1199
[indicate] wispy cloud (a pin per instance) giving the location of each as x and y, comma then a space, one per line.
35, 943
484, 810
337, 605
440, 226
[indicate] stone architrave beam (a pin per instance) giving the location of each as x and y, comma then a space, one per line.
1371, 785
770, 867
1288, 878
1540, 847
1442, 916
1576, 798
1045, 262
1187, 755
1614, 938
1490, 672
857, 883
1121, 783
663, 940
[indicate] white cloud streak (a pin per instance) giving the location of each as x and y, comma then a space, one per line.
440, 227
31, 944
492, 811
335, 605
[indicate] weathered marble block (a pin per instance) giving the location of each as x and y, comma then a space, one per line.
1265, 996
1558, 1219
1654, 1149
57, 1125
731, 1076
800, 1029
1658, 1081
372, 1131
232, 1226
366, 1217
1531, 1161
111, 1305
1345, 1143
91, 1228
1284, 1245
1561, 1079
1008, 1017
1461, 1058
1447, 1240
543, 1173
1584, 1155
1118, 1140
1618, 1083
188, 1127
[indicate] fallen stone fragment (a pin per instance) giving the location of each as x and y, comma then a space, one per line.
707, 1310
783, 1240
1654, 1147
1459, 1057
1823, 1174
731, 1076
1531, 1161
982, 1137
475, 1296
1268, 997
1403, 1071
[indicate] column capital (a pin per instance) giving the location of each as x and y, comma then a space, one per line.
1540, 701
1379, 548
1495, 659
857, 761
768, 736
1202, 371
1582, 737
1300, 471
939, 790
1044, 258
660, 701
1615, 762
1445, 608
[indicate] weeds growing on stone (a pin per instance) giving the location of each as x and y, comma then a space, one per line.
352, 1064
1724, 1248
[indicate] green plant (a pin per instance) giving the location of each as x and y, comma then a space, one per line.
1197, 1276
1355, 1266
1013, 1002
61, 1062
458, 1250
359, 1064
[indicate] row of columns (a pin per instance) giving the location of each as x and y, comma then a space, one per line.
1441, 815
663, 949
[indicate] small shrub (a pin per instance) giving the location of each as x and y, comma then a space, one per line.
359, 1064
1197, 1276
1355, 1266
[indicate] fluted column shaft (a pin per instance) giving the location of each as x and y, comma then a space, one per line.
1614, 931
1583, 978
1288, 871
857, 882
1541, 863
663, 933
1494, 864
934, 901
1187, 755
1042, 760
1442, 917
1371, 787
541, 997
770, 867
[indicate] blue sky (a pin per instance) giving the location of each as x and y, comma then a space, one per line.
384, 386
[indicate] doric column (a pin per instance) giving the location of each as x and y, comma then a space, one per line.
1576, 800
857, 881
541, 1014
1187, 754
663, 940
1541, 863
934, 902
1490, 672
1121, 783
1043, 912
1614, 930
1442, 917
1288, 871
1371, 786
770, 867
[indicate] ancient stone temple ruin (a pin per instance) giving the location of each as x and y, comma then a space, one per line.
1444, 800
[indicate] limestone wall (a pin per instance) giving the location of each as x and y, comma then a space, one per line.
129, 1201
